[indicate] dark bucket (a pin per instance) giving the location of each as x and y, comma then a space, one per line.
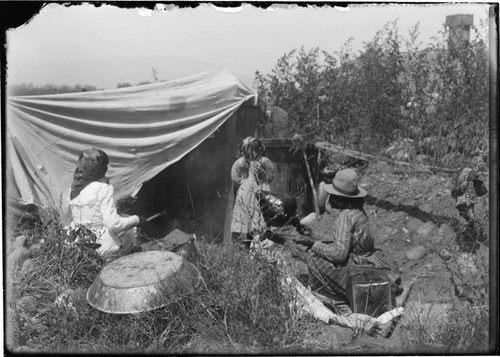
278, 209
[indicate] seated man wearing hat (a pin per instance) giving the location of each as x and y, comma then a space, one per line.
340, 236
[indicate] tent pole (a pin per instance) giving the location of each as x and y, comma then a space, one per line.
230, 147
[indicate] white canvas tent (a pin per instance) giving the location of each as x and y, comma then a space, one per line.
143, 129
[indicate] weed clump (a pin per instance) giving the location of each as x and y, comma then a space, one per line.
237, 295
439, 328
246, 294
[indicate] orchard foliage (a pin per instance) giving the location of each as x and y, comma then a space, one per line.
433, 97
30, 89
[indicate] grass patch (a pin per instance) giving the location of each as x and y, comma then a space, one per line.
436, 329
239, 299
239, 296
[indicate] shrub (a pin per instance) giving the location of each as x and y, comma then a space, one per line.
394, 89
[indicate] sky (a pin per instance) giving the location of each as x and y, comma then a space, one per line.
106, 45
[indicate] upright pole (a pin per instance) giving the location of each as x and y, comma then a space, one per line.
311, 182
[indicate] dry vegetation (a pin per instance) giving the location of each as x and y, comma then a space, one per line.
239, 307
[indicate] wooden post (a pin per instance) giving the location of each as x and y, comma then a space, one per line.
368, 157
318, 165
311, 182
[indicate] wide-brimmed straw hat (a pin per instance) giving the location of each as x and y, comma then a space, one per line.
345, 184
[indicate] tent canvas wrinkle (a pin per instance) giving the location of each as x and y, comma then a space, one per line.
143, 129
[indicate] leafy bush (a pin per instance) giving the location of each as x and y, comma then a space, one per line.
394, 89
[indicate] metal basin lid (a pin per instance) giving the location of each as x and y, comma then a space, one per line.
141, 282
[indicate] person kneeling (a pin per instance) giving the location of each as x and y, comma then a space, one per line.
341, 237
93, 206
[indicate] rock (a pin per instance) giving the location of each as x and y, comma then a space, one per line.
382, 232
176, 237
414, 224
28, 266
397, 217
483, 255
446, 254
466, 264
380, 237
416, 253
19, 242
16, 259
427, 229
390, 231
430, 248
425, 208
26, 304
35, 248
446, 235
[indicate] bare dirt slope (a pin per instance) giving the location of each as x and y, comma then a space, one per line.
419, 231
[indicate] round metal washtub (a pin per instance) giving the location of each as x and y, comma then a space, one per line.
141, 282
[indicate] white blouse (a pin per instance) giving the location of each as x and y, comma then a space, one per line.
95, 209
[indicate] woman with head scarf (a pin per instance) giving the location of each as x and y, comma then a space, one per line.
93, 206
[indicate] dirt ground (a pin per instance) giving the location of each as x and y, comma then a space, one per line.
407, 210
416, 227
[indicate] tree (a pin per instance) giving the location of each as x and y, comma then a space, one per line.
394, 89
296, 86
